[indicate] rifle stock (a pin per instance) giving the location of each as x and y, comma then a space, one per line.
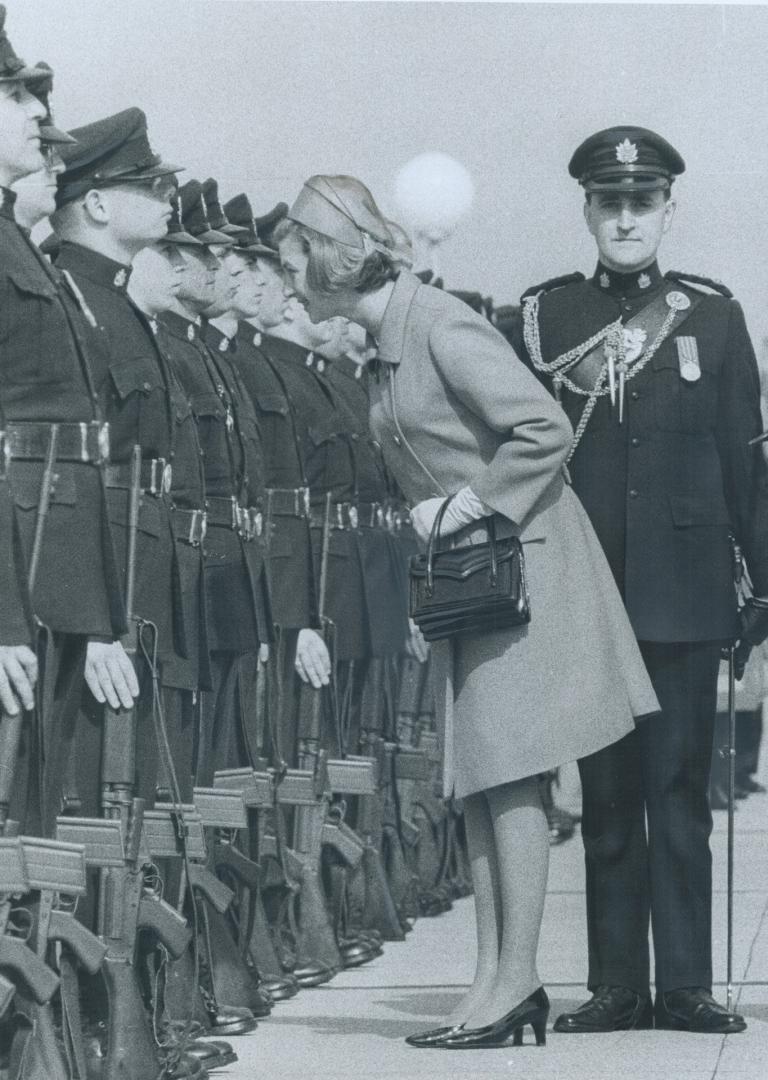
165, 923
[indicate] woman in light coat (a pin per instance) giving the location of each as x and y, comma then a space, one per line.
457, 413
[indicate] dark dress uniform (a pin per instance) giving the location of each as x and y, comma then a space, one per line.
663, 488
146, 405
236, 591
52, 370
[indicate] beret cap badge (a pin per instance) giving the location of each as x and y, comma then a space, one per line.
626, 152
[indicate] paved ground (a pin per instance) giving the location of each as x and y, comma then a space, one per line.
354, 1027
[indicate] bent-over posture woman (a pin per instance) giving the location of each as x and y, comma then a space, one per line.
457, 413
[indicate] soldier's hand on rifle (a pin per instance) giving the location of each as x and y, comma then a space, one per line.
313, 661
415, 645
18, 675
110, 674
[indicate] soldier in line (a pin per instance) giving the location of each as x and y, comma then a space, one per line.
53, 370
658, 377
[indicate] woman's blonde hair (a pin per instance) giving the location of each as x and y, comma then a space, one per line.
335, 267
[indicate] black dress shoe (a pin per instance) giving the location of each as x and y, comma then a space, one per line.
431, 1038
694, 1009
508, 1031
750, 785
611, 1008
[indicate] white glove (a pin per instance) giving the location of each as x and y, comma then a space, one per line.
18, 675
464, 508
313, 661
110, 674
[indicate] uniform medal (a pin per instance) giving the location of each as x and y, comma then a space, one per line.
688, 359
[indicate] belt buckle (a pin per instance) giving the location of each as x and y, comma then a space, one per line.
85, 442
102, 442
237, 515
198, 526
380, 518
167, 478
305, 496
256, 519
352, 516
156, 468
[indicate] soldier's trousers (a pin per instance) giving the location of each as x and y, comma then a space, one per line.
662, 872
229, 732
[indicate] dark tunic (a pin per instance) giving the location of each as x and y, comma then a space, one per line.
237, 597
52, 368
145, 404
290, 548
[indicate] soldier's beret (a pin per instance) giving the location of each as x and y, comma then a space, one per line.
625, 158
239, 212
696, 279
42, 88
12, 67
114, 150
217, 219
177, 234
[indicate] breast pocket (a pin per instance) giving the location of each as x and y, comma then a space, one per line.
139, 375
683, 405
207, 406
32, 330
26, 479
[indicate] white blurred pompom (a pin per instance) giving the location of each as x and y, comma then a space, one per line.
433, 193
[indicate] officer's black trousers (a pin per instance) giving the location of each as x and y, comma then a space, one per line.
646, 828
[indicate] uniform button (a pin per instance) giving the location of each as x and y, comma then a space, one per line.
635, 395
396, 440
633, 493
635, 440
172, 455
147, 386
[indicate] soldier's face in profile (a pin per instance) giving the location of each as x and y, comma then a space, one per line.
274, 295
20, 116
248, 284
140, 211
198, 277
36, 192
156, 277
628, 226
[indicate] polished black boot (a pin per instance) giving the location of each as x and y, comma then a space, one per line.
694, 1009
611, 1008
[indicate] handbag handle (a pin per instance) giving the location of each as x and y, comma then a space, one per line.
490, 526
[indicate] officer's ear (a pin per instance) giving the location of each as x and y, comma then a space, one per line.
96, 206
669, 213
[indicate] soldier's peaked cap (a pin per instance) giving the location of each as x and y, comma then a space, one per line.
115, 150
12, 67
625, 158
240, 212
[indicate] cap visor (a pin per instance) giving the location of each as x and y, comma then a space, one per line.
258, 249
628, 183
234, 231
181, 237
27, 74
51, 134
213, 236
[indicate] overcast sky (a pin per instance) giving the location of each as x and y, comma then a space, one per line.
261, 95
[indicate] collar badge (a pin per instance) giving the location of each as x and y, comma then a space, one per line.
257, 338
120, 278
191, 332
605, 281
224, 344
644, 281
626, 152
310, 359
153, 326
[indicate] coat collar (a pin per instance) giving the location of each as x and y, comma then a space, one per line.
180, 326
98, 268
7, 200
392, 333
632, 286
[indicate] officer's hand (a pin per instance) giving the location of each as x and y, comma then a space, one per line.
110, 674
313, 661
423, 517
416, 645
263, 654
18, 675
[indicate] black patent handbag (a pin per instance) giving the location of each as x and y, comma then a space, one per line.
470, 589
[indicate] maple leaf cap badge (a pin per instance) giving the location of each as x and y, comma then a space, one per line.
626, 152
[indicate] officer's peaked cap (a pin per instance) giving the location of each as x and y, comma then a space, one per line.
114, 150
625, 158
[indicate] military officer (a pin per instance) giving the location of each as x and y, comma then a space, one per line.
658, 377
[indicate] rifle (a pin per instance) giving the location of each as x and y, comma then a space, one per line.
29, 972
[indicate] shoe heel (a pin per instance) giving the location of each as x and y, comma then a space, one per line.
517, 1038
540, 1030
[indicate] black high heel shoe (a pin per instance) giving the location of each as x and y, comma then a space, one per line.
434, 1037
508, 1031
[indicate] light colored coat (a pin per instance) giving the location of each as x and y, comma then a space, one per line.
453, 406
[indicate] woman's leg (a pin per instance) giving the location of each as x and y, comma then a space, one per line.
485, 879
522, 859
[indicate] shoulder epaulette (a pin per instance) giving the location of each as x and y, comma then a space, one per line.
695, 279
554, 283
